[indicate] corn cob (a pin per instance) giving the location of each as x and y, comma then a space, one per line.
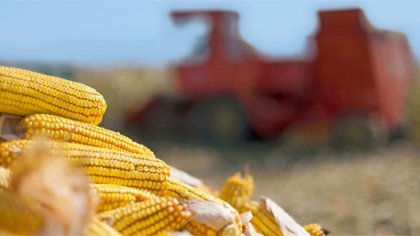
63, 129
238, 190
196, 228
183, 191
24, 92
150, 217
104, 166
180, 190
4, 179
99, 228
18, 217
316, 230
263, 221
115, 196
177, 189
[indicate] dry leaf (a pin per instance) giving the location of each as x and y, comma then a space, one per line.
184, 177
248, 229
210, 213
288, 225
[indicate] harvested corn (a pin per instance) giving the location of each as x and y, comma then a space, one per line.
100, 228
149, 217
183, 191
104, 166
24, 92
63, 129
263, 221
316, 230
115, 196
18, 216
61, 191
197, 228
121, 189
238, 190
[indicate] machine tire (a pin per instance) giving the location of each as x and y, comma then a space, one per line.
219, 121
358, 132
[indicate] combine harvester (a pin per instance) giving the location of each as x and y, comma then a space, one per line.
352, 85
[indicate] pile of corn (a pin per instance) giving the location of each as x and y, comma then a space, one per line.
64, 175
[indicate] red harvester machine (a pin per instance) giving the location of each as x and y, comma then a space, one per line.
354, 80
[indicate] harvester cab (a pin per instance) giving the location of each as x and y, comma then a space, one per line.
217, 58
222, 39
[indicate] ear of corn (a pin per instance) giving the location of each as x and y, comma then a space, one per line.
211, 215
24, 92
4, 178
178, 189
63, 129
197, 228
115, 196
263, 221
238, 190
104, 166
18, 217
183, 191
149, 217
99, 228
316, 230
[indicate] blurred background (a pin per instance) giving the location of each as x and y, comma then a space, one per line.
318, 98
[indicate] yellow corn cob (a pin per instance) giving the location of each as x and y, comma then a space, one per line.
4, 178
115, 196
263, 221
316, 230
24, 92
196, 228
63, 129
149, 217
99, 228
238, 190
178, 189
183, 191
104, 166
18, 217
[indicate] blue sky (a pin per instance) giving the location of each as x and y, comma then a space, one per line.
102, 33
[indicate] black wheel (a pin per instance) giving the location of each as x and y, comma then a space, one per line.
358, 132
400, 133
163, 119
219, 121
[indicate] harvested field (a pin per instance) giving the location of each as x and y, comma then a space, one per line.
373, 193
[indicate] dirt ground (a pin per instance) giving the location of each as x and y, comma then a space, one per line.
369, 193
